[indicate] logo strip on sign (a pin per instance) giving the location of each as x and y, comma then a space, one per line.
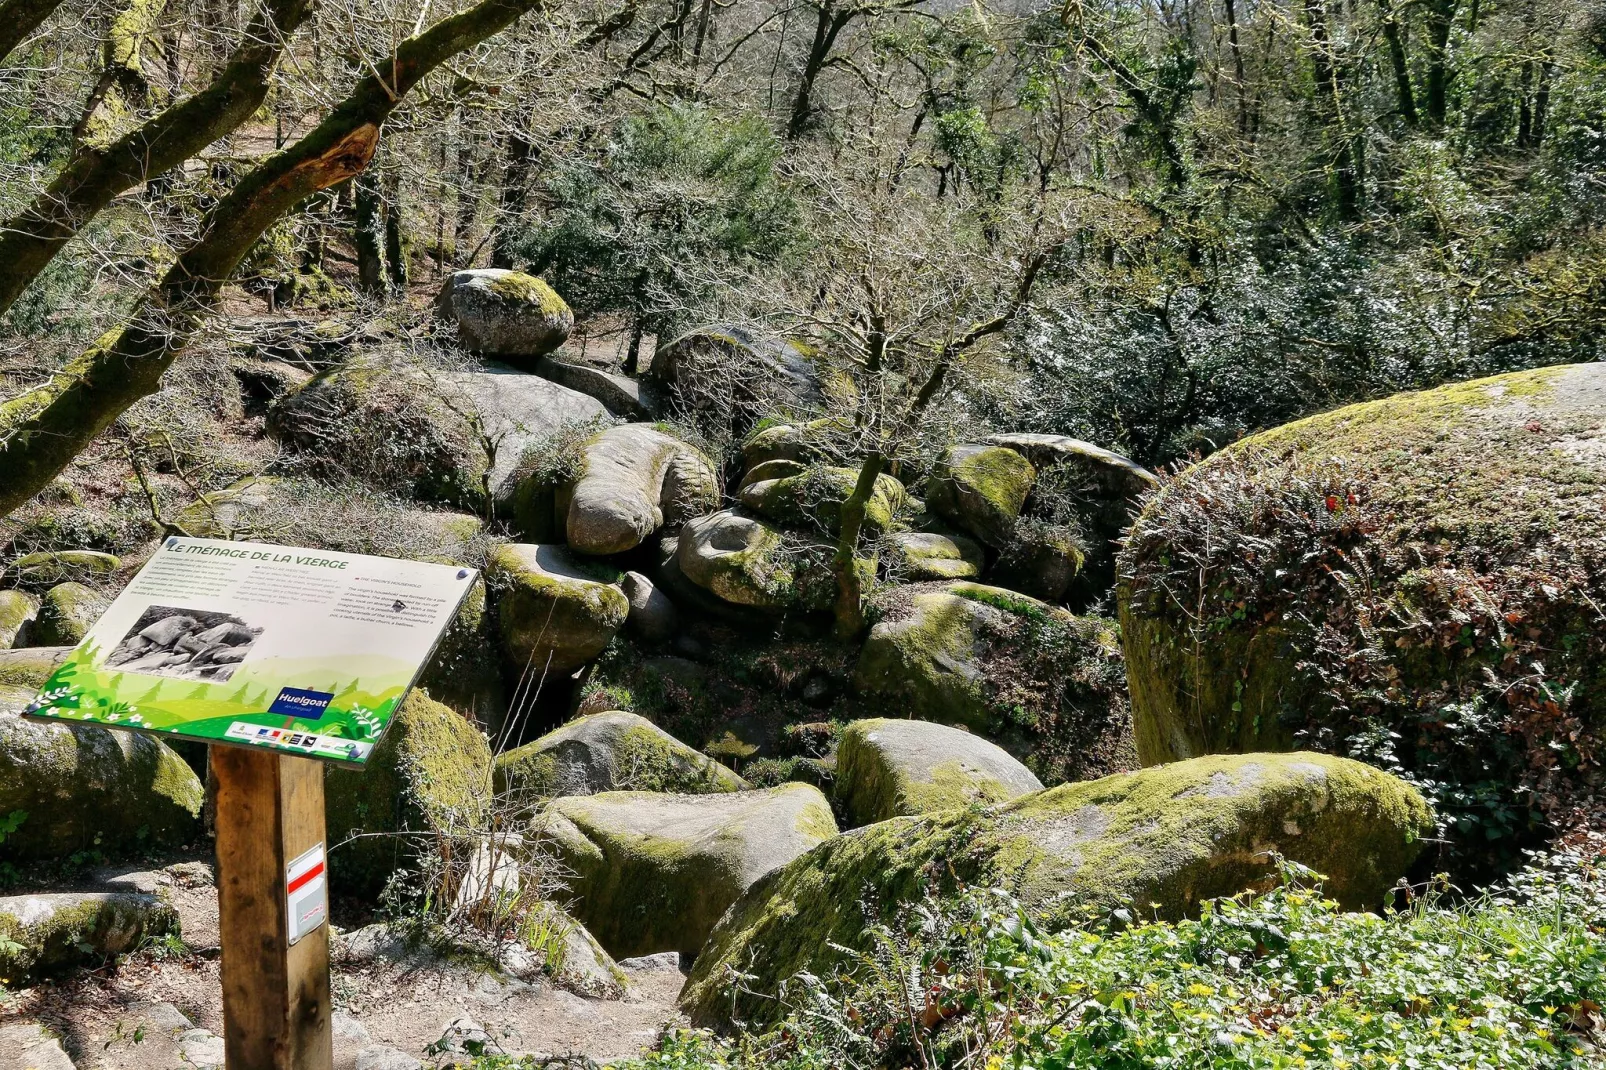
306, 892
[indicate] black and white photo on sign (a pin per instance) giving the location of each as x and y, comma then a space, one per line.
194, 644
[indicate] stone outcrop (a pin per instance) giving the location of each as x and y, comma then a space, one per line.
553, 616
610, 751
889, 768
505, 314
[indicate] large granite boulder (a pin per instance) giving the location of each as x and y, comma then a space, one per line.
610, 751
1424, 571
627, 398
633, 480
66, 613
465, 672
1046, 684
505, 314
44, 569
1160, 841
80, 787
980, 489
420, 432
1113, 484
731, 368
553, 614
349, 518
654, 617
654, 872
898, 768
813, 499
428, 781
749, 562
17, 612
52, 931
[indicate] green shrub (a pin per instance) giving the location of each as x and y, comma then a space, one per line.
1514, 978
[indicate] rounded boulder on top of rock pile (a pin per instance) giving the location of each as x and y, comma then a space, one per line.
981, 489
633, 480
505, 314
747, 562
813, 498
654, 872
553, 615
82, 786
1160, 841
428, 780
1433, 563
609, 751
894, 768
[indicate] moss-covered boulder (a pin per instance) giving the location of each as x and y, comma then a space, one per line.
17, 612
981, 489
66, 613
46, 933
1042, 682
898, 768
428, 780
552, 613
633, 480
653, 872
505, 314
422, 432
749, 562
738, 374
813, 499
348, 517
772, 469
611, 751
465, 671
43, 570
1108, 484
1040, 559
83, 787
1421, 573
802, 444
1160, 841
928, 555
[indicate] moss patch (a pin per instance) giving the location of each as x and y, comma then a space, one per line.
1161, 840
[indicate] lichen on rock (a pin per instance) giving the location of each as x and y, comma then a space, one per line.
888, 768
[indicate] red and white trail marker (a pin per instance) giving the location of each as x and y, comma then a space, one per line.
306, 893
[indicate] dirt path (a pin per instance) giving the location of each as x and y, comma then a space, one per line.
162, 1010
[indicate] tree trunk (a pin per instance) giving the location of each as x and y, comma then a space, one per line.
45, 428
395, 234
468, 203
849, 610
1402, 69
1237, 67
827, 26
1440, 20
19, 19
633, 354
1346, 181
521, 154
94, 176
369, 236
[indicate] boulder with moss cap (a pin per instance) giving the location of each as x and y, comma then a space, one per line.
505, 314
17, 612
749, 562
654, 872
428, 781
634, 480
43, 570
610, 751
981, 489
1160, 841
554, 613
930, 555
894, 768
1413, 557
49, 932
66, 613
813, 499
82, 786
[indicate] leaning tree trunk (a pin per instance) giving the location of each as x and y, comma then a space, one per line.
849, 609
19, 18
45, 428
95, 175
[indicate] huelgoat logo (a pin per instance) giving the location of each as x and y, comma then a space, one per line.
308, 705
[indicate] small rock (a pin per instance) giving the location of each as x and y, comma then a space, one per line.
348, 1028
382, 1058
653, 617
46, 932
163, 1017
663, 962
32, 1047
689, 646
201, 1048
18, 610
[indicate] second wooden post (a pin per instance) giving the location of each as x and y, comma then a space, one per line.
272, 903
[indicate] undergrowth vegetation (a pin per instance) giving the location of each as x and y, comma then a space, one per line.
1513, 978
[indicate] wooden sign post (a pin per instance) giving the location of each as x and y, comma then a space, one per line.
280, 659
275, 992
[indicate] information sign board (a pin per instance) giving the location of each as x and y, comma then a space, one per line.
307, 652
